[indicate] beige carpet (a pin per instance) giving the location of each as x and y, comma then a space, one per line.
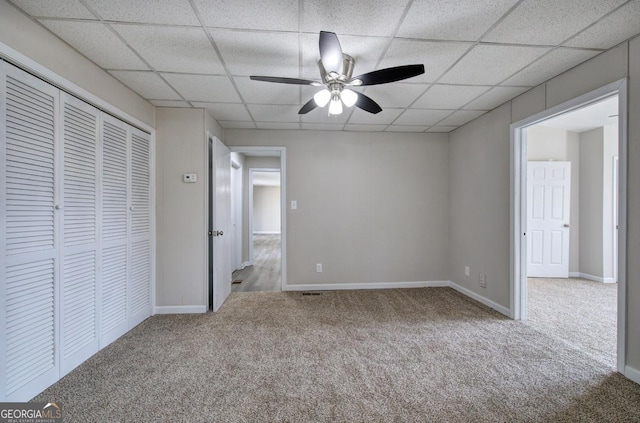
580, 312
410, 355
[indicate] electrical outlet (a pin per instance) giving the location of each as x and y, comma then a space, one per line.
466, 270
483, 280
319, 267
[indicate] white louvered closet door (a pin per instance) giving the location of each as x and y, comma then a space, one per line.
79, 273
115, 139
29, 240
140, 229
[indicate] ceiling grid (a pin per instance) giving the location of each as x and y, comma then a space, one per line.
200, 53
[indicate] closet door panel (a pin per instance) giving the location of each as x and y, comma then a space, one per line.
140, 276
115, 139
29, 241
79, 275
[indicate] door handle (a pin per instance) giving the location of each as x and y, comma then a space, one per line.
566, 225
216, 233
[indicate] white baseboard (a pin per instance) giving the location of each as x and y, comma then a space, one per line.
591, 277
372, 285
266, 233
180, 309
632, 374
497, 307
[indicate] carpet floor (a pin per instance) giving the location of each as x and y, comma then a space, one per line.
401, 355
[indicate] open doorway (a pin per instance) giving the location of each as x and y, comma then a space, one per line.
261, 241
571, 204
568, 209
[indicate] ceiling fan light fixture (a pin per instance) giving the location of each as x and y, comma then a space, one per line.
349, 97
322, 97
335, 107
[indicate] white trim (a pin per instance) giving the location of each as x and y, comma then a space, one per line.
479, 298
245, 264
518, 218
372, 285
632, 374
180, 309
591, 277
31, 66
266, 233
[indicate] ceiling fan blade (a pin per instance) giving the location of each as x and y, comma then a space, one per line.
366, 104
384, 76
294, 81
309, 106
330, 52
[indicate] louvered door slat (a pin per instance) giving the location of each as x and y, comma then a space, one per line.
140, 278
114, 182
28, 234
79, 297
140, 195
114, 293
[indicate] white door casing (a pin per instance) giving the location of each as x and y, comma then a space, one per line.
236, 215
548, 208
221, 190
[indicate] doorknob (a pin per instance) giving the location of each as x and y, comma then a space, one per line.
219, 233
566, 225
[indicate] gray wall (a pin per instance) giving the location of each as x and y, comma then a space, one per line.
545, 143
372, 207
181, 255
479, 181
591, 202
36, 42
266, 209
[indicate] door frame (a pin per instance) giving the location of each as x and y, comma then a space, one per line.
252, 170
518, 205
282, 153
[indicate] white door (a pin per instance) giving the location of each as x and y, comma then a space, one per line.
236, 216
221, 228
548, 208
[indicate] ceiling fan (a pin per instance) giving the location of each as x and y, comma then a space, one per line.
336, 69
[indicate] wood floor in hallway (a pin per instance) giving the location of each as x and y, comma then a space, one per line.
265, 274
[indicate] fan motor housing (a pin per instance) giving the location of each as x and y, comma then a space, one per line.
347, 70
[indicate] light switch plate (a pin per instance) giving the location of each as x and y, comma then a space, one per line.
294, 205
190, 178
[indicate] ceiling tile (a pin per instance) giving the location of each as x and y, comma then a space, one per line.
421, 117
228, 124
170, 103
386, 116
375, 17
460, 118
147, 84
490, 64
396, 94
437, 57
625, 20
215, 89
365, 50
253, 53
55, 8
449, 96
365, 128
549, 22
406, 128
225, 111
259, 92
495, 97
171, 12
452, 19
321, 115
441, 129
550, 65
277, 113
173, 49
98, 43
322, 126
277, 125
250, 14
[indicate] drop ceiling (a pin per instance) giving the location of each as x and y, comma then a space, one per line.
477, 54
